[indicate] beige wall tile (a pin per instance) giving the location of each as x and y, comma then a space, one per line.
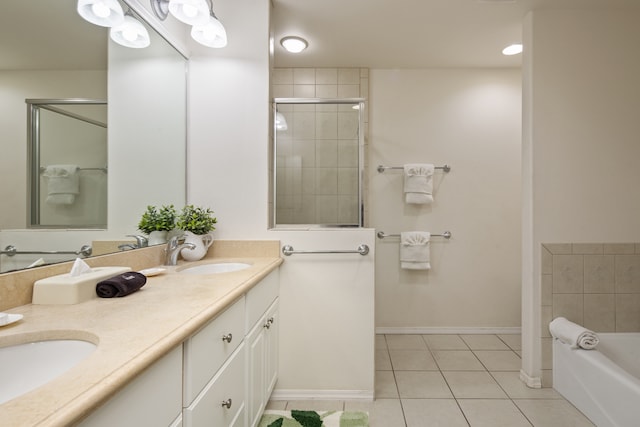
349, 91
546, 261
547, 353
599, 312
627, 274
627, 312
304, 76
348, 76
326, 91
546, 291
587, 248
570, 306
619, 248
326, 76
304, 91
599, 274
568, 274
282, 76
558, 248
546, 316
282, 91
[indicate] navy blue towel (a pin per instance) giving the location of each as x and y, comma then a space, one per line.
121, 285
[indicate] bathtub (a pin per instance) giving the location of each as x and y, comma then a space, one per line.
604, 384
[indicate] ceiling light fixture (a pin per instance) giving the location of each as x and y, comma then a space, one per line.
513, 49
105, 13
294, 44
206, 27
131, 33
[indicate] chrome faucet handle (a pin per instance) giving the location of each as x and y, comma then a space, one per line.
141, 241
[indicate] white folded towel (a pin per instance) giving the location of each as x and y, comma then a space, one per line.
418, 183
573, 334
414, 250
63, 184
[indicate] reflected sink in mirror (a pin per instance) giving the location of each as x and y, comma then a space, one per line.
25, 367
215, 268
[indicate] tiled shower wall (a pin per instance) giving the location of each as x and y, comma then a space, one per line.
596, 285
319, 205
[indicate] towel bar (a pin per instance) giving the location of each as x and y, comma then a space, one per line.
362, 250
11, 250
445, 234
382, 168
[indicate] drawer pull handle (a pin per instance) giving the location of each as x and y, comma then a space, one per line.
269, 323
227, 338
226, 403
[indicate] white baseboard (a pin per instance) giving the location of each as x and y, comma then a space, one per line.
448, 330
532, 382
364, 395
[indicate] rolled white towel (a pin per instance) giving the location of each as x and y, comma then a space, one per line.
573, 334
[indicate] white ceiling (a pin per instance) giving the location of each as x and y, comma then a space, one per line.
408, 33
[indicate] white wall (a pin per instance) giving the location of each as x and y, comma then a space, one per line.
581, 150
469, 119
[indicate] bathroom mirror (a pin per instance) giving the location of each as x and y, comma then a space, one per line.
67, 57
318, 148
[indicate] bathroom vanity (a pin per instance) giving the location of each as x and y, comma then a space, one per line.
185, 350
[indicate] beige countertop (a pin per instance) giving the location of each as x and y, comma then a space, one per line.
130, 333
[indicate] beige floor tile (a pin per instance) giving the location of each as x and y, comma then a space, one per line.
405, 342
484, 342
552, 413
445, 342
386, 385
492, 413
473, 384
516, 389
382, 412
277, 405
433, 413
457, 360
381, 342
315, 405
499, 360
383, 361
514, 341
422, 385
412, 360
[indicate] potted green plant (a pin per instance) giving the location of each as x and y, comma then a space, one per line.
156, 223
197, 223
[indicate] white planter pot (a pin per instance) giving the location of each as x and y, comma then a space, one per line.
202, 243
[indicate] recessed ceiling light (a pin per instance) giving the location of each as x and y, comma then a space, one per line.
513, 49
294, 44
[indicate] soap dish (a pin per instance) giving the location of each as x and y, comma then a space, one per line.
7, 319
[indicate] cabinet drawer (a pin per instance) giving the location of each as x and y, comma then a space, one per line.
227, 386
206, 351
260, 297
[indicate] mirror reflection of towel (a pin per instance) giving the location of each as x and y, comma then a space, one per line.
414, 250
63, 184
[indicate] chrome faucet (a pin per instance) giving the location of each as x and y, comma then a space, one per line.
174, 245
141, 241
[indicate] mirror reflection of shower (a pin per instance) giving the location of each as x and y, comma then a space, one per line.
67, 142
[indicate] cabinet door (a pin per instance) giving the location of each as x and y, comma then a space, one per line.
222, 401
272, 343
256, 371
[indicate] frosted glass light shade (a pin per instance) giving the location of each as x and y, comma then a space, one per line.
211, 34
105, 13
192, 12
294, 44
513, 49
131, 33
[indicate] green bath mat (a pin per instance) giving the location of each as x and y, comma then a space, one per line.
295, 418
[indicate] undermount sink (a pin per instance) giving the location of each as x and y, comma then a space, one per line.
214, 268
24, 367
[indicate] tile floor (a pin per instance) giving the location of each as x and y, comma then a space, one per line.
450, 381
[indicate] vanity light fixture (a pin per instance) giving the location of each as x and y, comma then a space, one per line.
294, 44
206, 27
105, 13
513, 49
131, 33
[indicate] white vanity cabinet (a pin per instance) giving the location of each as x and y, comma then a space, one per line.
262, 345
152, 399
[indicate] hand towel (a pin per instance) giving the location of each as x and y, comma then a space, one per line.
418, 183
121, 285
414, 250
573, 334
63, 184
